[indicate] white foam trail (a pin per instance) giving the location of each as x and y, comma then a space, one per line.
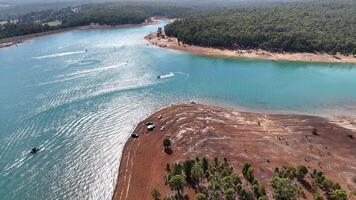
16, 164
170, 74
88, 71
59, 54
182, 73
81, 73
61, 80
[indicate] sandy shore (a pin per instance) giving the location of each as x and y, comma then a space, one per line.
20, 39
172, 43
264, 140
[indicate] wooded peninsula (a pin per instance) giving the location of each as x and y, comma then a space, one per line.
314, 26
317, 26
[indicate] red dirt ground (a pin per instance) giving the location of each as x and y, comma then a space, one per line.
264, 140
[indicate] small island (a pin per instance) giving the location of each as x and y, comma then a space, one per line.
197, 151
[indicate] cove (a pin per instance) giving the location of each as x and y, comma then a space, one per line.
80, 106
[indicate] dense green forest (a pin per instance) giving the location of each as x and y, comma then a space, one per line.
114, 14
109, 14
35, 18
322, 26
10, 9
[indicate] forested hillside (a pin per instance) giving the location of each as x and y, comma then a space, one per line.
126, 13
57, 15
108, 14
323, 26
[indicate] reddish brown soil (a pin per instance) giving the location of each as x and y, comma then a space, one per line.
264, 140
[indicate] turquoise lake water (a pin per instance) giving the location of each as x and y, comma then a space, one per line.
80, 107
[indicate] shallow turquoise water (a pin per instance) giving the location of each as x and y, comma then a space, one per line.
80, 107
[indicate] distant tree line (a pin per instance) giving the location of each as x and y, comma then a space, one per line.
104, 14
11, 30
116, 14
322, 26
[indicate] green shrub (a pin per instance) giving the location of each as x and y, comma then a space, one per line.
205, 165
287, 172
168, 198
301, 172
258, 191
245, 168
187, 168
155, 193
247, 172
167, 143
339, 194
283, 188
246, 194
318, 197
177, 183
197, 173
200, 196
177, 169
230, 194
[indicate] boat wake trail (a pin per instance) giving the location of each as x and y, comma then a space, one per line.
88, 71
163, 76
81, 73
59, 54
172, 74
182, 73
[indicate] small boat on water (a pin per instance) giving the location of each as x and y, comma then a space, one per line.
34, 150
170, 74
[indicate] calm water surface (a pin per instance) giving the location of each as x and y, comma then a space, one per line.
79, 107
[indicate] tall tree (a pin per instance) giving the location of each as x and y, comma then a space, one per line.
197, 173
177, 183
